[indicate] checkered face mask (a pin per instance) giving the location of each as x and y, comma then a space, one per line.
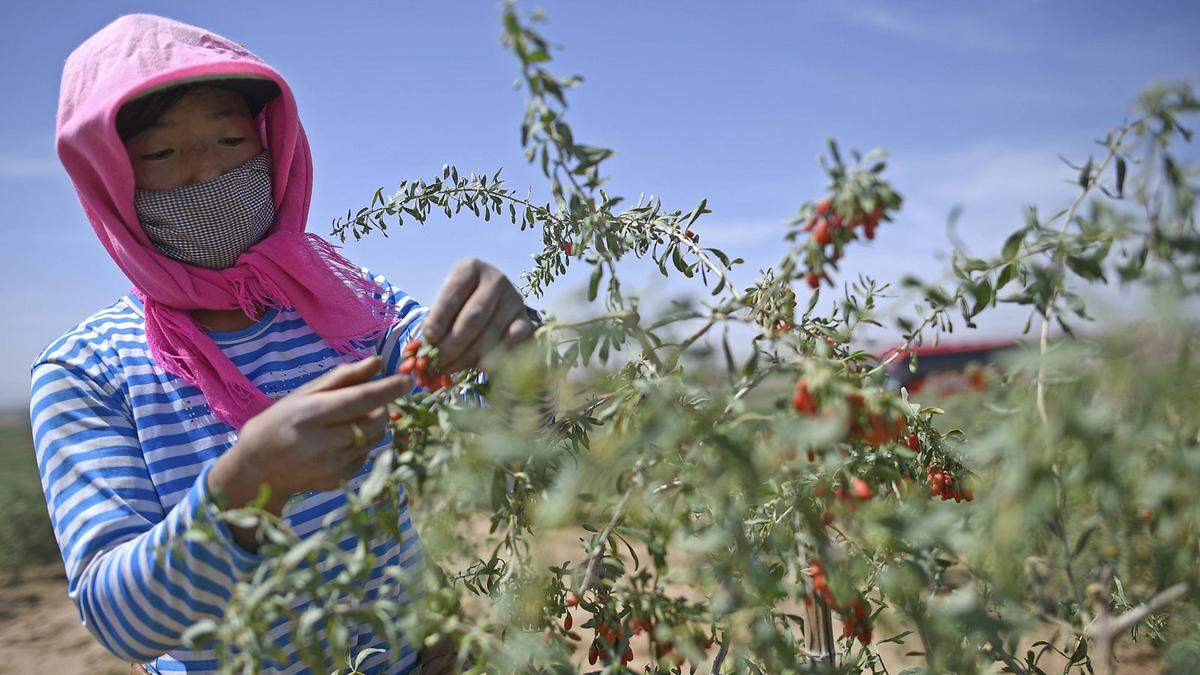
209, 224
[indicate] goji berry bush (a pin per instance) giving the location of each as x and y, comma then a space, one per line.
647, 488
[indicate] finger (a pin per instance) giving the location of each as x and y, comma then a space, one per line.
488, 338
343, 375
518, 331
340, 435
471, 321
353, 461
374, 428
350, 403
454, 293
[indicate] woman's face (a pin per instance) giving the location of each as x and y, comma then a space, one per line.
206, 133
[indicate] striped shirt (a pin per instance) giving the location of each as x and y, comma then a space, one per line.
124, 450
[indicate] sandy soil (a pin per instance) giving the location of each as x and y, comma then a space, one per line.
40, 630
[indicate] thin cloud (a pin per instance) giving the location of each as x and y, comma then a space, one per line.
16, 166
993, 183
959, 32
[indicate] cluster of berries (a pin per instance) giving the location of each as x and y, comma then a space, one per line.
802, 399
943, 484
826, 222
417, 360
849, 497
830, 227
855, 620
610, 632
659, 649
874, 429
856, 623
864, 425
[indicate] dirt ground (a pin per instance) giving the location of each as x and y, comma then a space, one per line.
40, 630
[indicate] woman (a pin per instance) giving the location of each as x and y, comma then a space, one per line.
248, 352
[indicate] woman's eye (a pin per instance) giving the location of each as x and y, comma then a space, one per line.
232, 141
161, 154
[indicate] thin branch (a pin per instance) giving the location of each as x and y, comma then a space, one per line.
1143, 611
622, 316
597, 553
1113, 147
1102, 662
721, 654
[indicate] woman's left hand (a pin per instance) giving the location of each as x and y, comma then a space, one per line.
477, 310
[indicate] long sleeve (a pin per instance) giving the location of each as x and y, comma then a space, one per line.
407, 326
109, 522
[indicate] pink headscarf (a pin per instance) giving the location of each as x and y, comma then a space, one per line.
289, 268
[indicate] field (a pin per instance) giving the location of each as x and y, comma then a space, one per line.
39, 627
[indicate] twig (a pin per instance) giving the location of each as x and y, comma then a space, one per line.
916, 333
721, 654
596, 554
1102, 663
1048, 315
716, 269
1140, 613
999, 650
622, 315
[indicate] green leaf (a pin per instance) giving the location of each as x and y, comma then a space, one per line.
292, 558
975, 265
199, 633
730, 364
983, 295
720, 256
697, 212
1081, 653
1006, 275
364, 655
587, 345
499, 489
594, 282
1083, 540
1012, 245
1088, 268
680, 264
377, 480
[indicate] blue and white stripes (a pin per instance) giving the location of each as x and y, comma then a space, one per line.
123, 449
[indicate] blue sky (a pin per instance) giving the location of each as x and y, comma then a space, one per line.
732, 101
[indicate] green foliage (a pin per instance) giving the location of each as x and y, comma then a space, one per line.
26, 539
616, 479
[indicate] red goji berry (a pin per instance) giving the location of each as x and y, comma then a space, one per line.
821, 233
861, 489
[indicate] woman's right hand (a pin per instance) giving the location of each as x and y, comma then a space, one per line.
304, 441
